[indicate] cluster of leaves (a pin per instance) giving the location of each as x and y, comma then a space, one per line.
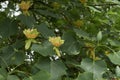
90, 30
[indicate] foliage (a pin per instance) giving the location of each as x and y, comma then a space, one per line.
60, 40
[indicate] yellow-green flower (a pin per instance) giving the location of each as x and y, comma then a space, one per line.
31, 33
24, 6
56, 41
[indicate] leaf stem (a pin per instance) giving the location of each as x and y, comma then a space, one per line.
22, 73
107, 47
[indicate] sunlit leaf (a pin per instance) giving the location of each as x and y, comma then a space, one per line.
45, 49
95, 67
115, 58
85, 76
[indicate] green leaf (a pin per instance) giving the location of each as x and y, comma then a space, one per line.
80, 33
27, 20
18, 44
17, 58
10, 57
44, 30
95, 67
43, 75
115, 43
45, 48
8, 28
47, 13
6, 53
3, 74
70, 46
53, 70
85, 76
94, 9
99, 35
2, 78
56, 69
43, 64
12, 77
114, 58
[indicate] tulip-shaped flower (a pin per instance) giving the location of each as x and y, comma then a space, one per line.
31, 34
56, 42
24, 6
